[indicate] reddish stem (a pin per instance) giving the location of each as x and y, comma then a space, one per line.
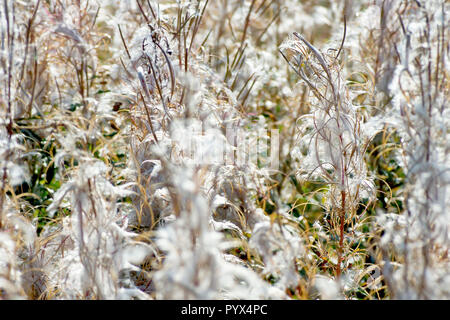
341, 237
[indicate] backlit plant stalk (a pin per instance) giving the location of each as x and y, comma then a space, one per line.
335, 138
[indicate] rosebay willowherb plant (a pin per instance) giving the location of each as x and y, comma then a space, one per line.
167, 150
93, 255
333, 149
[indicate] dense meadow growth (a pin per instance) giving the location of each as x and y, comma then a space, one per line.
224, 149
